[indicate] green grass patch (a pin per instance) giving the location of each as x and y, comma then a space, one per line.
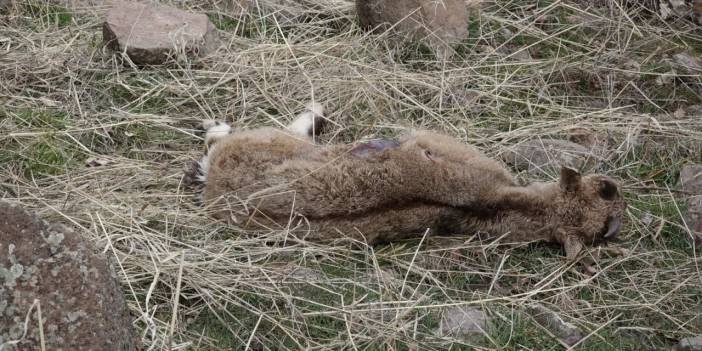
48, 14
40, 118
44, 155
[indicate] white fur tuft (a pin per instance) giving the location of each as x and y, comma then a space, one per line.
204, 165
215, 131
316, 108
304, 122
208, 123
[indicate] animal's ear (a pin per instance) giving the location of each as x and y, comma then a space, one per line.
608, 189
570, 179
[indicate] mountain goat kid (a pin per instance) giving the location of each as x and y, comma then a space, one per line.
390, 189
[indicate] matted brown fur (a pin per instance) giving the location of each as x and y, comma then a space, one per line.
386, 191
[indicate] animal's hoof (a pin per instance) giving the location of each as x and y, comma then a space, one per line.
316, 108
209, 123
621, 251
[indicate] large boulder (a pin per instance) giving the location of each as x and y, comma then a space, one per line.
49, 268
153, 34
443, 21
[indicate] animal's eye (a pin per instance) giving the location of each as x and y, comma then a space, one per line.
608, 189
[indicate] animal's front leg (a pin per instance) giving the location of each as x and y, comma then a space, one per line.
573, 245
517, 197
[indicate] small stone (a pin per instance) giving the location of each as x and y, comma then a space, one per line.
689, 344
646, 219
515, 53
467, 98
548, 155
697, 11
679, 113
665, 78
691, 184
688, 63
78, 313
506, 33
152, 33
691, 179
98, 162
296, 273
671, 8
693, 109
463, 321
522, 55
48, 102
566, 332
586, 20
632, 69
586, 137
437, 21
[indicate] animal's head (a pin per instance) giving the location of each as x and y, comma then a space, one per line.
589, 208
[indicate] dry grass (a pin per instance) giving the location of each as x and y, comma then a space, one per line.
529, 70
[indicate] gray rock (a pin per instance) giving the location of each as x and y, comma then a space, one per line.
548, 155
566, 332
152, 33
295, 273
691, 179
697, 11
585, 20
671, 8
691, 183
463, 321
438, 22
689, 344
5, 4
688, 63
53, 268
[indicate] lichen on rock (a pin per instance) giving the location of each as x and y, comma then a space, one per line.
80, 309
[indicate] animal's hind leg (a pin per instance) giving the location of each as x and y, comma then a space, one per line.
308, 124
196, 174
215, 130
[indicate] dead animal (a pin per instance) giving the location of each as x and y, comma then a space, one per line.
391, 189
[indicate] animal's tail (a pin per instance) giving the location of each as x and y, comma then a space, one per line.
196, 174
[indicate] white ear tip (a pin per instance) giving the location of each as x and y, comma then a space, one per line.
316, 108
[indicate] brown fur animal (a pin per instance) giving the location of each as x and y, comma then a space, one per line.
386, 190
